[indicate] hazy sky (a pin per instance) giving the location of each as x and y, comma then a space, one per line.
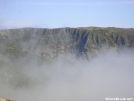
66, 13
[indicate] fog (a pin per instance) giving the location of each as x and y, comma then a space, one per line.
109, 74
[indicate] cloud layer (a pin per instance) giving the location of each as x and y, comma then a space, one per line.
108, 75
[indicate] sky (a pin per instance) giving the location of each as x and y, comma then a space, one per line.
66, 13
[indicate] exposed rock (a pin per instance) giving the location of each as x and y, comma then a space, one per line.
3, 99
49, 43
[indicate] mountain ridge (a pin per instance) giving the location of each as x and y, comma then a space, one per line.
49, 43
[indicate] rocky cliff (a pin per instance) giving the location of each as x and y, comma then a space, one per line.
49, 43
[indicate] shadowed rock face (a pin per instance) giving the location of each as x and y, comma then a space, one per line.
49, 43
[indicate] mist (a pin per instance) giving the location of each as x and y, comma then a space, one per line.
109, 74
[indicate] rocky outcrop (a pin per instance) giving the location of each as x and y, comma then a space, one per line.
3, 99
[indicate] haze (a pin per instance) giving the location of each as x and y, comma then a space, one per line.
66, 64
110, 74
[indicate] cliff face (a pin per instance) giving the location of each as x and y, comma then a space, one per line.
49, 43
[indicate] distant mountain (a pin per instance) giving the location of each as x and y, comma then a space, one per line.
47, 44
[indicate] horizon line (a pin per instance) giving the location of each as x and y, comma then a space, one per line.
68, 27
